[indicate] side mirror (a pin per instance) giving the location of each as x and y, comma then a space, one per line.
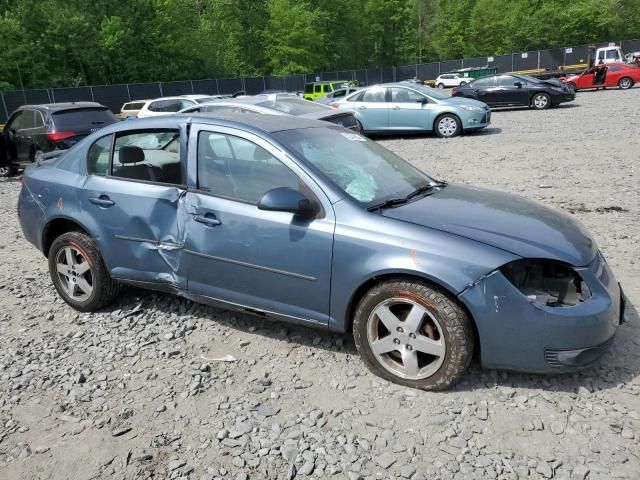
286, 199
518, 84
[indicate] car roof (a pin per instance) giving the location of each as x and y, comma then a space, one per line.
244, 121
326, 82
57, 107
175, 97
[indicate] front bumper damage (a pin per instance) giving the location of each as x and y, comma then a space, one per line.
519, 334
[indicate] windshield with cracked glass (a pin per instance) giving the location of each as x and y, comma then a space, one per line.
360, 167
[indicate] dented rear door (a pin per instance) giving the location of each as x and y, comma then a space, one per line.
139, 230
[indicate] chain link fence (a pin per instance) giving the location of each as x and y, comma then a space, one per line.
113, 96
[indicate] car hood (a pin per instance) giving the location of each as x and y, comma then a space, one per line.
553, 82
457, 101
509, 222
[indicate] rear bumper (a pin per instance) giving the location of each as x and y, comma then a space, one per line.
518, 334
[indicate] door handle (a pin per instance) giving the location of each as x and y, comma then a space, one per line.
208, 219
362, 107
396, 108
102, 201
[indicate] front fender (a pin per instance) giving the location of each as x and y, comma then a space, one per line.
374, 246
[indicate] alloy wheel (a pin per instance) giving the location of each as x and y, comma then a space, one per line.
540, 101
74, 273
625, 83
406, 338
447, 126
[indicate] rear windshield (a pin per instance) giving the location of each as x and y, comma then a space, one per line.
83, 118
294, 106
133, 106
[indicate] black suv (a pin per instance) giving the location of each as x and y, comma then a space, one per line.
44, 128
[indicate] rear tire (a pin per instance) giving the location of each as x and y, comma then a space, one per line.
625, 83
360, 127
571, 86
540, 101
79, 274
462, 84
447, 126
413, 334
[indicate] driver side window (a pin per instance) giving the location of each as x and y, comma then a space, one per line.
236, 168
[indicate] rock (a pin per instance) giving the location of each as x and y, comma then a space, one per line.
557, 427
307, 468
544, 469
627, 433
407, 471
176, 464
41, 449
482, 413
386, 460
579, 472
120, 431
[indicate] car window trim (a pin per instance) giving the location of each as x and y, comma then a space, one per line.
86, 159
226, 197
182, 186
110, 174
311, 184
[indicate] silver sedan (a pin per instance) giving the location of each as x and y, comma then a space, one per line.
407, 107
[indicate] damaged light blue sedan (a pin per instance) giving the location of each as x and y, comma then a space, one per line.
310, 223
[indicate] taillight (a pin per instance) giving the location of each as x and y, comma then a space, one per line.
453, 92
58, 136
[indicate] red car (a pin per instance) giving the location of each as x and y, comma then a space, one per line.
603, 76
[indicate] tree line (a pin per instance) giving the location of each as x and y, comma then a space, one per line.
50, 43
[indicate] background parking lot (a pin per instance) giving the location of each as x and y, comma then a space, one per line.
140, 389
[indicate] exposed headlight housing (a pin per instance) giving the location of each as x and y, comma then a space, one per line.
547, 282
471, 108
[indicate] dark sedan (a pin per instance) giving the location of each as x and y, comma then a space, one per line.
515, 91
45, 128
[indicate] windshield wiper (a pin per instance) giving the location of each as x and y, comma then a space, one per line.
424, 189
392, 202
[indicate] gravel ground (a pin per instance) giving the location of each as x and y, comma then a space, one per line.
139, 390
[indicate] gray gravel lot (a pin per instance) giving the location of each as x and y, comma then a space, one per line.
138, 390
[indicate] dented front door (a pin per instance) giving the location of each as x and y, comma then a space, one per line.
140, 235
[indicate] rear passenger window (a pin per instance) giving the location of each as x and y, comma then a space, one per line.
375, 95
236, 168
152, 156
98, 158
484, 82
171, 106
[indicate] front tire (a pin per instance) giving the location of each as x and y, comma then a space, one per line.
571, 86
79, 274
413, 334
447, 126
625, 83
440, 86
541, 101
